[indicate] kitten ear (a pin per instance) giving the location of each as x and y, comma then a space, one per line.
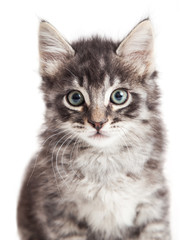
53, 49
137, 48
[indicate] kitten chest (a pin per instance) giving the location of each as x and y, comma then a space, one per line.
111, 206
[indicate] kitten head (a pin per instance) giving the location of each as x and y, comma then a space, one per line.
98, 91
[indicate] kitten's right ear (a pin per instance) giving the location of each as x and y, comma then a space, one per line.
137, 48
53, 49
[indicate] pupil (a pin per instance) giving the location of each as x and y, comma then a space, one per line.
76, 97
119, 95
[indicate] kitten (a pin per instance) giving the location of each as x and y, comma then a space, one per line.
99, 172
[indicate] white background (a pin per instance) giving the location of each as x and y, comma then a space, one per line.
21, 101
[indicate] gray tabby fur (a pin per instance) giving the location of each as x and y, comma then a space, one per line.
86, 184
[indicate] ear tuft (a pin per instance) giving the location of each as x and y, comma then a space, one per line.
137, 48
53, 48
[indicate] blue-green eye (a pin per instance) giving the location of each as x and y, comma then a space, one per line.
119, 96
75, 98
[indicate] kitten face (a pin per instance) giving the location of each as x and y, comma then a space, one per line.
100, 109
98, 90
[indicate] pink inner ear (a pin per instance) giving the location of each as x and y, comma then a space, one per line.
138, 40
53, 48
136, 49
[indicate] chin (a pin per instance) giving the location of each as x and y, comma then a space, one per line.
100, 141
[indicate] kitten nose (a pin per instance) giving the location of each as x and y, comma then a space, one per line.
97, 125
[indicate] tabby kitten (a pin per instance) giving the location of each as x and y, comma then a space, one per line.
99, 172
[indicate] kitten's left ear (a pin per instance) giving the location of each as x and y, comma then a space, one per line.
53, 49
137, 48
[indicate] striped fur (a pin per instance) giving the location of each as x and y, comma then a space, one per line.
90, 184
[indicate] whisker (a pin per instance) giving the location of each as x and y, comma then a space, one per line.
128, 150
71, 72
56, 163
133, 136
62, 157
36, 159
59, 132
73, 150
52, 161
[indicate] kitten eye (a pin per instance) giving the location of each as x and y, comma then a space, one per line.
119, 96
75, 98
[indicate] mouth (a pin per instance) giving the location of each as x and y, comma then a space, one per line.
98, 135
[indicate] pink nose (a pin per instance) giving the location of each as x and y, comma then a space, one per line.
97, 125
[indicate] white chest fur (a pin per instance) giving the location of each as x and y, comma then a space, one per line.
109, 207
106, 197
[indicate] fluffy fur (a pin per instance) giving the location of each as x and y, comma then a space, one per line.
90, 184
